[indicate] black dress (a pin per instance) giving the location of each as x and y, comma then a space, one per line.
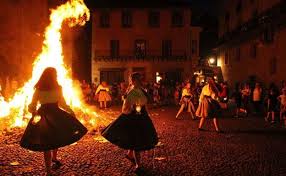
56, 128
133, 131
273, 102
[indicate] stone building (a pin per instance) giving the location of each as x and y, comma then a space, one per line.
252, 37
154, 38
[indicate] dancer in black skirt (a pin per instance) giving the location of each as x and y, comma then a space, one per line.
133, 130
209, 106
186, 101
50, 127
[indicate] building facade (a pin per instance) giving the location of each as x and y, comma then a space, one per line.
157, 41
252, 36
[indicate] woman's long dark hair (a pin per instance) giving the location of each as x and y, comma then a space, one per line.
48, 80
136, 77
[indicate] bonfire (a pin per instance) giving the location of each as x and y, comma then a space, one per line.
13, 113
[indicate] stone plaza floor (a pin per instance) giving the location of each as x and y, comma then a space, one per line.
248, 146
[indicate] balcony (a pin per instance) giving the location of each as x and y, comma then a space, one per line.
274, 17
130, 56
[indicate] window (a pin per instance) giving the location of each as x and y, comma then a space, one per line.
255, 13
140, 49
104, 20
226, 58
239, 20
237, 54
154, 19
238, 7
114, 48
273, 66
253, 50
166, 48
126, 19
194, 45
177, 19
268, 34
112, 75
226, 21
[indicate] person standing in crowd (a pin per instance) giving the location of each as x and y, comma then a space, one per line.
156, 95
114, 93
122, 90
177, 94
93, 95
237, 98
208, 104
224, 93
87, 93
186, 101
245, 98
271, 103
282, 86
257, 97
133, 130
282, 99
50, 127
103, 95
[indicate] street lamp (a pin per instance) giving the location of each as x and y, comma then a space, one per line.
212, 61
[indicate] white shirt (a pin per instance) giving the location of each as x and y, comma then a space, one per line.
283, 99
100, 87
257, 94
49, 96
133, 97
186, 92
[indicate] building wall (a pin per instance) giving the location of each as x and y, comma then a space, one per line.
248, 8
181, 41
241, 68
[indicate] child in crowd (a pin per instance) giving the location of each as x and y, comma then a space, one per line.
103, 95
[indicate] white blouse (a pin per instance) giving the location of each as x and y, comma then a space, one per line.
186, 92
100, 87
49, 96
134, 97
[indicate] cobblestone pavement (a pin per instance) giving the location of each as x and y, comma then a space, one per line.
248, 146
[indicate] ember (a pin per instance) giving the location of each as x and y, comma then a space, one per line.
14, 111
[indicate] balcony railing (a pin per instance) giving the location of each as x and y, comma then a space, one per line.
128, 56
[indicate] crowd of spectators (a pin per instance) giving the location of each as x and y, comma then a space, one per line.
254, 97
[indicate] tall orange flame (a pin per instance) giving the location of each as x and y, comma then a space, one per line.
52, 56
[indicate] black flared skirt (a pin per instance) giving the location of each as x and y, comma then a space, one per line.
132, 131
209, 108
55, 129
